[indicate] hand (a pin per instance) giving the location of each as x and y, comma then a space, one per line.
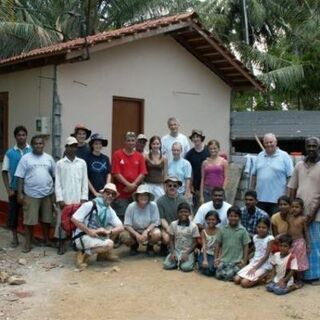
61, 204
309, 218
173, 257
92, 233
10, 192
188, 195
251, 272
20, 198
242, 263
205, 264
102, 232
216, 262
201, 200
184, 257
282, 283
130, 187
140, 238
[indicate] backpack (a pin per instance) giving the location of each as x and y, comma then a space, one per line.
67, 213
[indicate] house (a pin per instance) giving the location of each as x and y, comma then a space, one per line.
290, 127
130, 79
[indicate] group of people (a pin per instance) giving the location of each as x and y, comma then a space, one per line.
172, 196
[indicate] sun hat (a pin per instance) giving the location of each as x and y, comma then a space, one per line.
111, 187
98, 137
173, 179
70, 141
81, 126
198, 133
141, 190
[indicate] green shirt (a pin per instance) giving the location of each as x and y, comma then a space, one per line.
168, 207
232, 241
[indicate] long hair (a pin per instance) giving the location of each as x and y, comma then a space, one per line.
153, 138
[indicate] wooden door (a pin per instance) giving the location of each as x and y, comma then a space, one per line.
127, 115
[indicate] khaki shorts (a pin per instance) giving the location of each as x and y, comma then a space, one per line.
33, 208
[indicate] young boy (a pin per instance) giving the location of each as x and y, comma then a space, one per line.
183, 234
231, 252
285, 266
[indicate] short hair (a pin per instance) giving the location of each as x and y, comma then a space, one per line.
298, 200
172, 119
213, 141
264, 220
214, 214
285, 238
177, 144
251, 193
271, 135
217, 189
18, 129
234, 209
34, 138
284, 198
184, 205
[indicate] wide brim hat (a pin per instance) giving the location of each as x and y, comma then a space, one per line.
141, 190
98, 137
198, 133
111, 187
173, 179
81, 126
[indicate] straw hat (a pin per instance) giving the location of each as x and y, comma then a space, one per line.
142, 189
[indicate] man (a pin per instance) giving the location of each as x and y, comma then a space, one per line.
71, 184
35, 173
167, 205
181, 168
250, 213
9, 166
272, 169
141, 143
196, 156
217, 204
174, 136
128, 170
82, 133
305, 184
97, 223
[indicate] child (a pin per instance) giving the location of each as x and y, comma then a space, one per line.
231, 252
299, 233
284, 267
208, 236
279, 220
259, 265
183, 234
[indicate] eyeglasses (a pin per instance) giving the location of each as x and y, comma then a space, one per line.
172, 185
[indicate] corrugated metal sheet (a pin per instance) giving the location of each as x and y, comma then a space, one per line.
284, 124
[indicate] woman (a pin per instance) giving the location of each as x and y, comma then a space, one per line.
141, 222
157, 166
214, 172
98, 165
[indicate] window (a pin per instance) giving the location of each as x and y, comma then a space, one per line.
3, 123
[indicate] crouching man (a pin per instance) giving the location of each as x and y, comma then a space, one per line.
97, 224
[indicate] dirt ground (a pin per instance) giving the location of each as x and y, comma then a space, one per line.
138, 288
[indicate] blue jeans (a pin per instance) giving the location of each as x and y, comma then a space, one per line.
273, 287
210, 270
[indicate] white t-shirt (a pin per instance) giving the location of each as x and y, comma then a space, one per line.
168, 140
289, 262
260, 248
208, 206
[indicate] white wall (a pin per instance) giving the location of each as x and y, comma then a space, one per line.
30, 96
154, 69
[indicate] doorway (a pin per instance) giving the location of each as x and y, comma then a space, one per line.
127, 115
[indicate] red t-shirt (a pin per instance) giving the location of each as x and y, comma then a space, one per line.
129, 166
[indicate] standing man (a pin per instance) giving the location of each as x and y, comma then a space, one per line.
305, 184
71, 185
82, 133
128, 170
272, 169
168, 209
217, 204
196, 156
9, 166
35, 173
174, 136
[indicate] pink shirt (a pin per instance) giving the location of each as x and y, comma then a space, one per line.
213, 175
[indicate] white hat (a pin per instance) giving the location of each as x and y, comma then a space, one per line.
70, 141
141, 136
110, 186
143, 188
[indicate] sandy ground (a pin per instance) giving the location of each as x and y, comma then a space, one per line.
138, 289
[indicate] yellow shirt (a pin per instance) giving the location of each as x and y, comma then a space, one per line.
280, 224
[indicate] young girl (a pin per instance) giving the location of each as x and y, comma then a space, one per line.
157, 166
279, 220
208, 237
259, 265
213, 172
299, 233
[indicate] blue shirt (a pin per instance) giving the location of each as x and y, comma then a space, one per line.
271, 174
250, 220
11, 161
182, 169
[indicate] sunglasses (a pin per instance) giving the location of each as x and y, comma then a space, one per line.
172, 185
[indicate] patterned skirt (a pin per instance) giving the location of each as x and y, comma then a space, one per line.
300, 251
314, 257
